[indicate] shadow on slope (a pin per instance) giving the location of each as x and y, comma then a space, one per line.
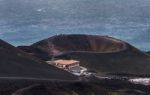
16, 63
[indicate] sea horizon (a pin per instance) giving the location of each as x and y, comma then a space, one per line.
26, 22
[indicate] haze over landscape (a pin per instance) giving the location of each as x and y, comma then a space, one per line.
23, 22
74, 47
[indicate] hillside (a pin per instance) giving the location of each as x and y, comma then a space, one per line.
49, 87
16, 63
148, 52
24, 86
99, 53
55, 45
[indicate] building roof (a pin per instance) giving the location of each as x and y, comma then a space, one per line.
66, 62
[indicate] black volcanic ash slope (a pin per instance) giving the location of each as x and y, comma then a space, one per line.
99, 53
148, 52
16, 63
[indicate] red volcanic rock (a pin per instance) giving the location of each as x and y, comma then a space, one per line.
90, 43
82, 43
55, 45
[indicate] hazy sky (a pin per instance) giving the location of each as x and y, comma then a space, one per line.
27, 21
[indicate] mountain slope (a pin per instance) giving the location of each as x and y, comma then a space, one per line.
16, 63
148, 53
99, 53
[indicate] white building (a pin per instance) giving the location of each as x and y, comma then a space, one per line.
69, 65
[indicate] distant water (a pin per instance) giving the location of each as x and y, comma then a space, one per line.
24, 33
137, 34
27, 21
